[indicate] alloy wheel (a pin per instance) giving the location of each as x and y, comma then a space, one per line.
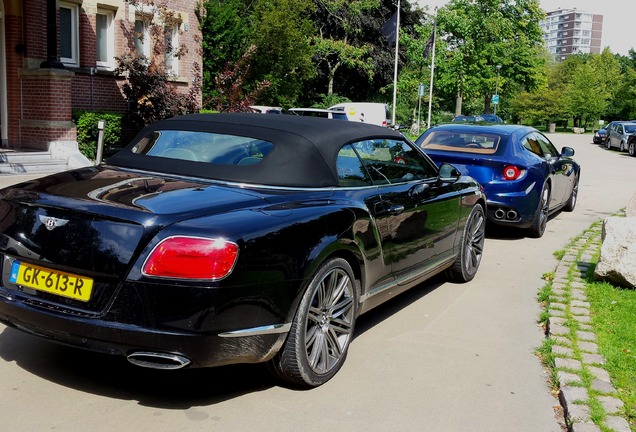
330, 319
476, 235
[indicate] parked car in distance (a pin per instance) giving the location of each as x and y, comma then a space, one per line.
467, 119
214, 239
524, 177
266, 109
364, 112
618, 134
317, 112
600, 135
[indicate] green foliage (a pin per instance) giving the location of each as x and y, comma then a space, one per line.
326, 101
480, 36
284, 55
233, 94
87, 131
309, 52
614, 321
339, 42
226, 29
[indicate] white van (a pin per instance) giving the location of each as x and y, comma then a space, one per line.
317, 112
365, 112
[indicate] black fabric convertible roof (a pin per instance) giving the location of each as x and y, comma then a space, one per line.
304, 154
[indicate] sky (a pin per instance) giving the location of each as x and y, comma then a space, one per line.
618, 19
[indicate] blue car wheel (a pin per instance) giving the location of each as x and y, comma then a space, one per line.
541, 214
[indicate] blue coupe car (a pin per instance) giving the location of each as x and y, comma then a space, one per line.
524, 176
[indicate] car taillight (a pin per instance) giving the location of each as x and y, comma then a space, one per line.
511, 172
183, 257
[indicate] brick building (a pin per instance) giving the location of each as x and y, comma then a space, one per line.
59, 55
571, 31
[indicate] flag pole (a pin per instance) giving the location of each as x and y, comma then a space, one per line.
430, 90
395, 68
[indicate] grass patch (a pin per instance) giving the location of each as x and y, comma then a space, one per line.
613, 313
559, 254
544, 352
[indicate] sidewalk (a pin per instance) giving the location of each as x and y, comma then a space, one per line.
10, 179
575, 349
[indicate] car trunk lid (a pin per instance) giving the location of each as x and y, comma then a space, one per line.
91, 224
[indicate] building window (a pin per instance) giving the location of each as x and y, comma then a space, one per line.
105, 38
171, 40
142, 38
69, 30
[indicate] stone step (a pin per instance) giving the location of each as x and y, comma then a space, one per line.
21, 162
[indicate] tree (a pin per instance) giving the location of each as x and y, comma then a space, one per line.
226, 28
284, 54
232, 94
487, 33
588, 83
338, 22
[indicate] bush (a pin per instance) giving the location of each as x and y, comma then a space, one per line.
87, 132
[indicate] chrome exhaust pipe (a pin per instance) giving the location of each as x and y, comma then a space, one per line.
499, 214
154, 360
511, 215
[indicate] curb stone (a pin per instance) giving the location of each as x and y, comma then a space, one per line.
568, 298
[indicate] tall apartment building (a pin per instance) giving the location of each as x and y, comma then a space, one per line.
571, 31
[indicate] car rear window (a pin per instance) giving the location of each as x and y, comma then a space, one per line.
205, 147
481, 143
630, 128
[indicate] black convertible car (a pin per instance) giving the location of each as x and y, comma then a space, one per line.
234, 238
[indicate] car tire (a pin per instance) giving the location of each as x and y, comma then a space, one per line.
468, 259
622, 146
631, 148
569, 206
540, 219
322, 328
608, 144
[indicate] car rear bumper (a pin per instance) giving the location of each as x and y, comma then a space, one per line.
193, 348
512, 208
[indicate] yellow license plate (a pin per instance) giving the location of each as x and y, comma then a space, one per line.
51, 281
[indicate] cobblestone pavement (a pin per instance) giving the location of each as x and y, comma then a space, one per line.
575, 349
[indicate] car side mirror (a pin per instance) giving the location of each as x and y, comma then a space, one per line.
567, 152
448, 173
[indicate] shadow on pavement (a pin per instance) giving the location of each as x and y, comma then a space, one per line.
114, 377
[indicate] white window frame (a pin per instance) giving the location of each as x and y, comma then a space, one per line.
110, 39
73, 60
170, 61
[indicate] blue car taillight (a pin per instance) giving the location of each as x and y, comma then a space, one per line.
511, 172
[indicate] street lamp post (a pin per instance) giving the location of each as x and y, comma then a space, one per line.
497, 88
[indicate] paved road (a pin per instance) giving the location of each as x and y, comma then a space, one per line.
441, 358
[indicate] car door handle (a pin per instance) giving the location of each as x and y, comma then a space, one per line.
395, 209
